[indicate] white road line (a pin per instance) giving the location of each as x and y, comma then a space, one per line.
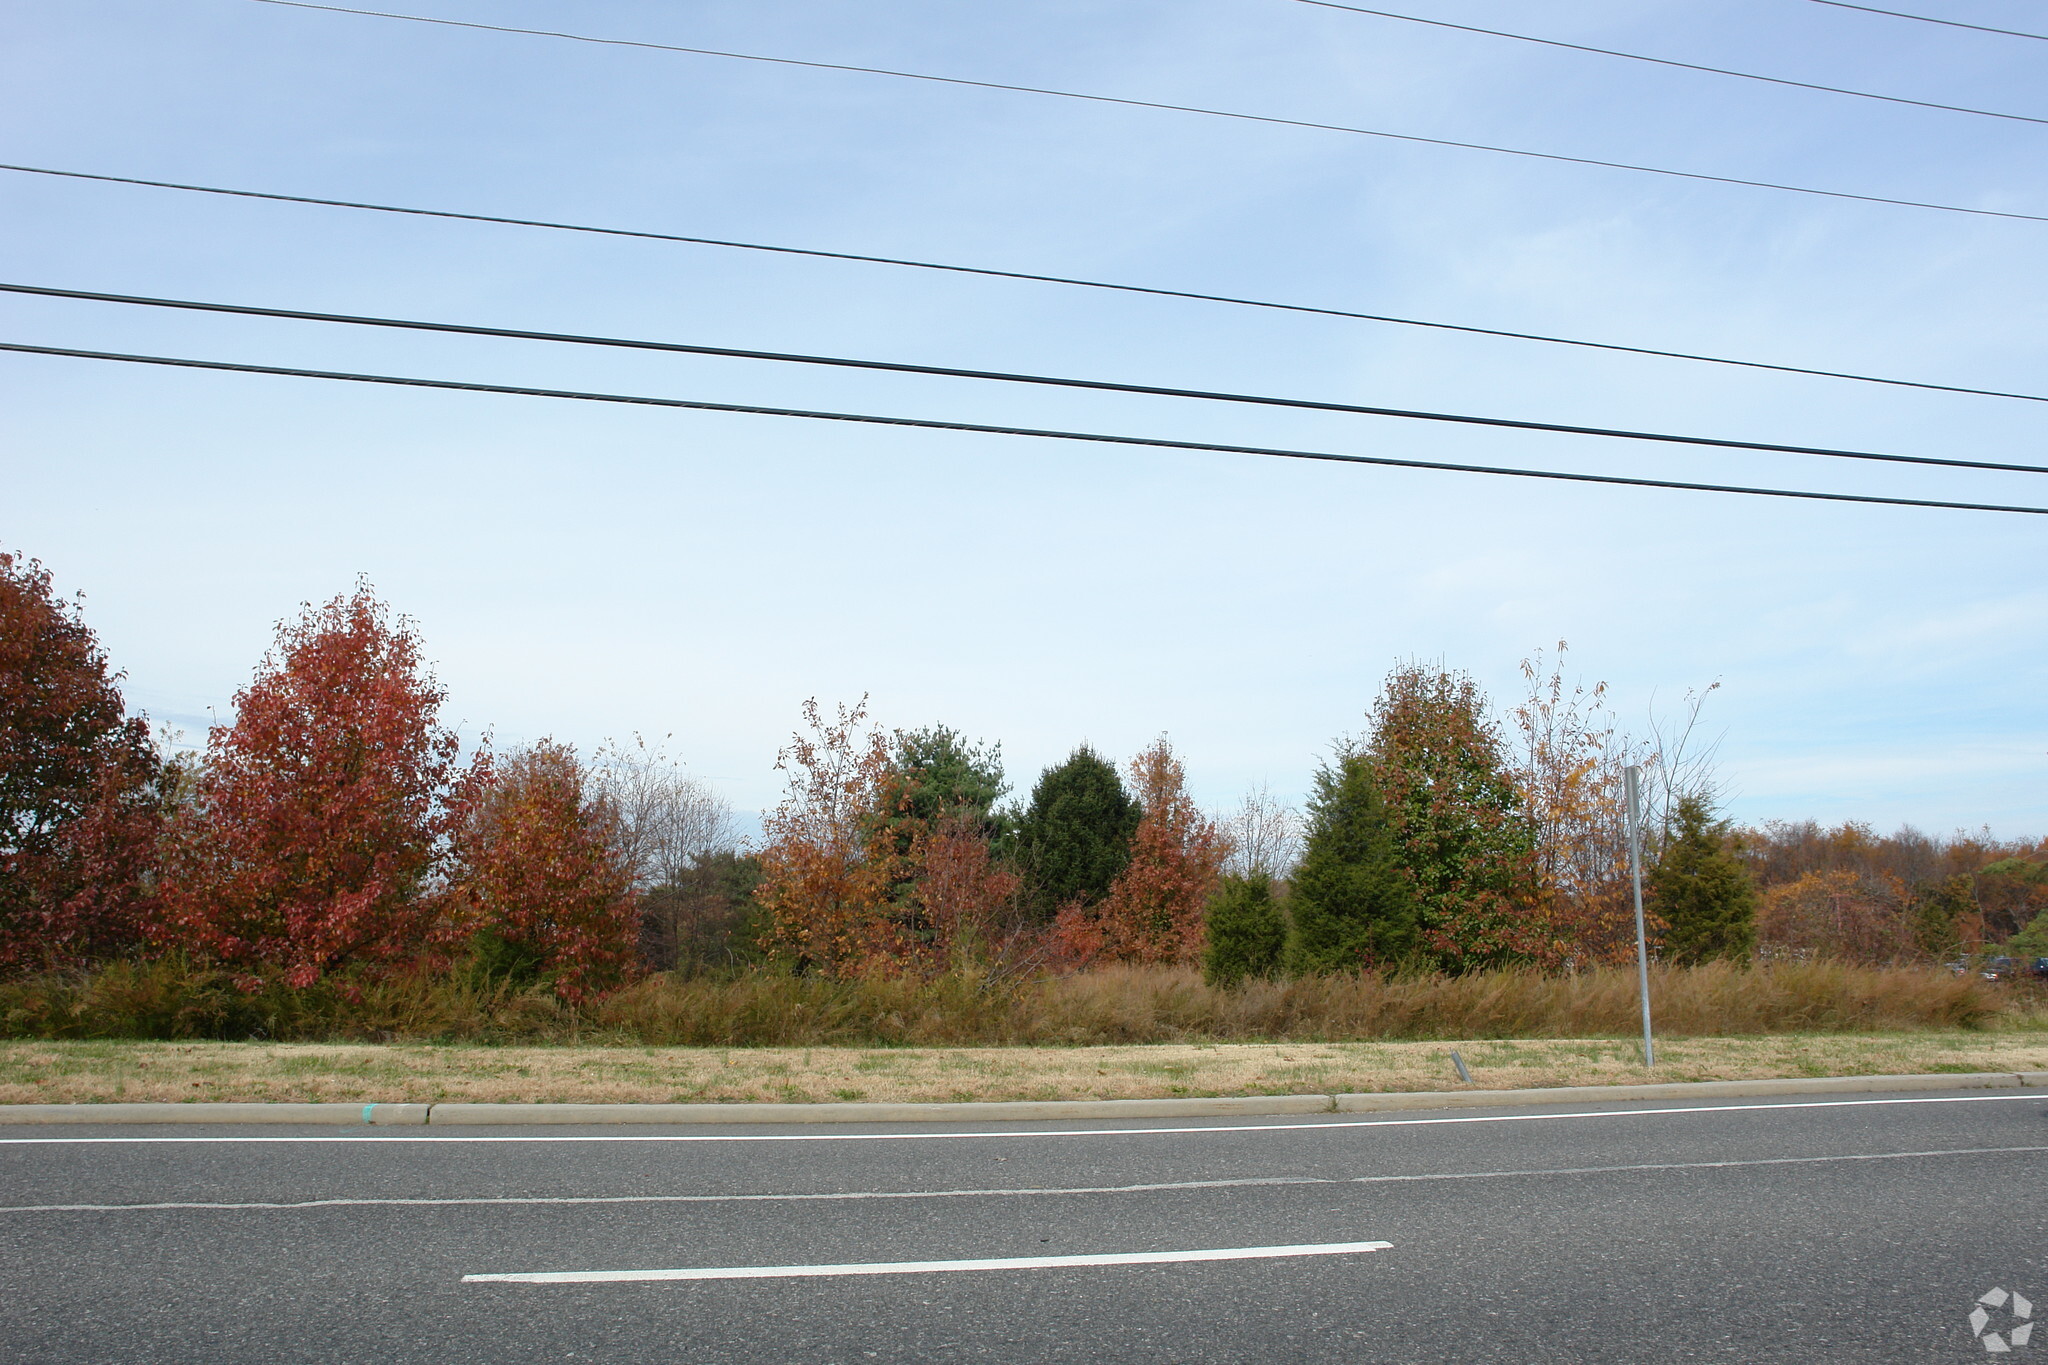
355, 1135
784, 1272
516, 1200
1028, 1191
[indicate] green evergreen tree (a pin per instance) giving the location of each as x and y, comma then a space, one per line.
1075, 836
1245, 932
944, 772
1353, 906
1701, 890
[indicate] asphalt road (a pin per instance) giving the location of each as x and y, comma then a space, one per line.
1844, 1230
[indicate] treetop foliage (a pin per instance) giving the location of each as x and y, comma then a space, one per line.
942, 771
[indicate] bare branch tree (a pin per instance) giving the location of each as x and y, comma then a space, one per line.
671, 819
1681, 762
1266, 834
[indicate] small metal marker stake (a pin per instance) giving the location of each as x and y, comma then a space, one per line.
1634, 781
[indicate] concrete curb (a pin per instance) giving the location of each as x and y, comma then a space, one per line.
379, 1114
1692, 1090
1008, 1111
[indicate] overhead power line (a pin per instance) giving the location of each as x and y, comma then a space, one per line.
1028, 276
982, 429
1008, 377
1171, 108
1930, 19
1683, 66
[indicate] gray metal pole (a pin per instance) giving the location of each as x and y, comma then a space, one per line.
1634, 780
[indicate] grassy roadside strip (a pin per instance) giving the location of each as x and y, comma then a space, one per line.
87, 1072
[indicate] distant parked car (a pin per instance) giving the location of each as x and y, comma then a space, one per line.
2038, 967
1999, 968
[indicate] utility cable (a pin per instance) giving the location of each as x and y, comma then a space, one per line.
981, 429
1930, 19
1173, 108
1008, 377
1665, 61
992, 273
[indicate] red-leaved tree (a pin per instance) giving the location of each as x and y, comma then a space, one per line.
80, 797
318, 834
1153, 912
542, 863
963, 892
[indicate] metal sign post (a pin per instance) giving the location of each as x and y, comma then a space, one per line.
1634, 781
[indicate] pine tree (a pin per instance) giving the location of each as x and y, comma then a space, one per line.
1075, 837
1353, 905
939, 771
1702, 891
1246, 932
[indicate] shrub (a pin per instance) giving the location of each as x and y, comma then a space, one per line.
1246, 932
1701, 890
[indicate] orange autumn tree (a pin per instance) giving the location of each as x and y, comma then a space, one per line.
1153, 912
830, 864
1572, 761
543, 874
317, 834
1839, 914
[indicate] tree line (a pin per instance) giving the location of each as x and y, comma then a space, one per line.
335, 825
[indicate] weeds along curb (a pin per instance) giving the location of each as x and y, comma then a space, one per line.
999, 1111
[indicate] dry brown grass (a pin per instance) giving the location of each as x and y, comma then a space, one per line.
61, 1072
167, 1001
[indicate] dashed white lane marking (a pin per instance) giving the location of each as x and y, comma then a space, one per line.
1313, 1126
784, 1272
518, 1200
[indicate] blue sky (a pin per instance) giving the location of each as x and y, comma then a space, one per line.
588, 572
